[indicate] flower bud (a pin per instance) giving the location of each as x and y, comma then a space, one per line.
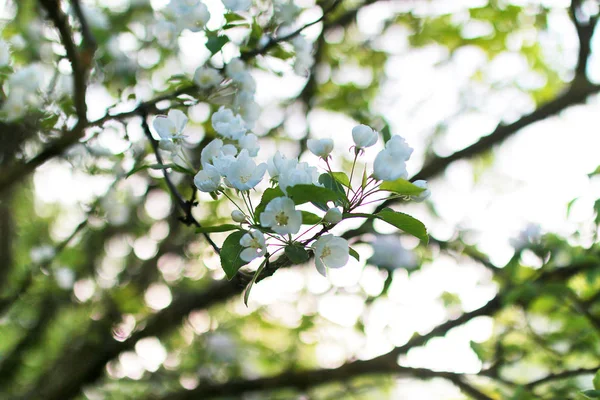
364, 136
333, 216
320, 147
424, 195
238, 216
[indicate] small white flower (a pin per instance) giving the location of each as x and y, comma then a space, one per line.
364, 136
65, 277
254, 243
425, 194
170, 126
236, 70
206, 77
389, 253
250, 143
302, 174
320, 147
390, 163
304, 58
4, 54
243, 173
27, 79
281, 216
238, 216
207, 179
278, 164
228, 124
213, 152
42, 254
167, 145
95, 17
237, 5
166, 33
531, 234
330, 252
188, 14
286, 11
333, 216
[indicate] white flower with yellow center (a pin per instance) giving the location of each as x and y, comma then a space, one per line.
330, 252
281, 216
243, 173
206, 77
170, 126
254, 243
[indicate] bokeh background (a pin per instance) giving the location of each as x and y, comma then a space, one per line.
106, 294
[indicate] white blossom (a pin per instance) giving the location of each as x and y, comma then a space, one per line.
390, 163
4, 54
166, 33
250, 143
320, 147
42, 254
286, 11
333, 215
279, 164
425, 194
237, 5
243, 173
65, 277
281, 216
364, 136
207, 179
238, 216
389, 253
304, 58
206, 77
531, 234
301, 174
170, 127
236, 70
330, 252
95, 17
188, 14
215, 150
27, 79
228, 124
254, 243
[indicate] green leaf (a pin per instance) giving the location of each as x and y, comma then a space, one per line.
386, 134
310, 218
342, 178
219, 228
296, 253
301, 194
230, 254
50, 121
401, 186
591, 394
354, 254
596, 381
400, 220
364, 178
404, 222
232, 17
267, 196
256, 274
215, 43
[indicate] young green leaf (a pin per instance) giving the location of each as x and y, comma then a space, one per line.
401, 186
354, 254
216, 43
310, 218
342, 178
230, 254
296, 253
591, 394
219, 228
310, 193
400, 220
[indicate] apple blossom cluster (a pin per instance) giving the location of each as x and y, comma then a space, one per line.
299, 197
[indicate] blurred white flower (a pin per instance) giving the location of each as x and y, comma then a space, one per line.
424, 194
281, 216
250, 143
188, 14
206, 77
228, 124
390, 163
300, 174
254, 243
171, 126
531, 234
42, 254
330, 252
389, 253
4, 54
237, 5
